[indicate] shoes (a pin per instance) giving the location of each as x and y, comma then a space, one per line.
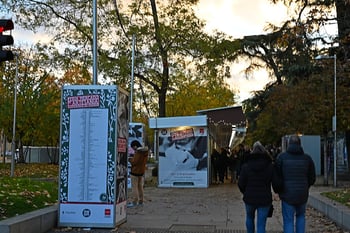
130, 205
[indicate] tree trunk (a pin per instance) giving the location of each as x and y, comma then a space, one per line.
343, 19
161, 102
164, 57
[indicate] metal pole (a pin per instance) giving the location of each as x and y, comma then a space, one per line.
94, 22
13, 144
335, 122
3, 145
132, 76
155, 145
325, 166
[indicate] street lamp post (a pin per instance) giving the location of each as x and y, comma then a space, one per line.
334, 120
13, 144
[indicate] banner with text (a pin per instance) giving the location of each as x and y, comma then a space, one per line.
92, 142
183, 157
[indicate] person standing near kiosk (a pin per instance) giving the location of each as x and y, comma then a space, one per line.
138, 168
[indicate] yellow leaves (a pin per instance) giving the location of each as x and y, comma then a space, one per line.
32, 170
22, 194
77, 75
341, 196
197, 94
48, 194
32, 194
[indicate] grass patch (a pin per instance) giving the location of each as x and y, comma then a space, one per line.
34, 186
341, 196
32, 170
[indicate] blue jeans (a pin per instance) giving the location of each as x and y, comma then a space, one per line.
288, 213
262, 212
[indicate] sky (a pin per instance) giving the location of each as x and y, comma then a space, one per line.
237, 18
240, 18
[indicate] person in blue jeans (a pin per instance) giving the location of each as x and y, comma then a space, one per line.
255, 184
298, 173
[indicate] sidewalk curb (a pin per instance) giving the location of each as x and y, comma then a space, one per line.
39, 221
337, 212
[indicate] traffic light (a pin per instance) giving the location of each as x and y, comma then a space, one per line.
5, 25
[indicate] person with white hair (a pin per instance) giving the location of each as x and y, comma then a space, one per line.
255, 184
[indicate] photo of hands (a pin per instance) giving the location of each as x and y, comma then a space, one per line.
183, 156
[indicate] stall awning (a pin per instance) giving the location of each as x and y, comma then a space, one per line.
170, 122
223, 124
226, 115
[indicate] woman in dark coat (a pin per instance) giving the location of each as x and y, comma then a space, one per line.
255, 184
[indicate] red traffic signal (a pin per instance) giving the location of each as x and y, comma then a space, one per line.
5, 25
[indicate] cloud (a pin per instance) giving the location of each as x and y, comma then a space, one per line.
239, 18
28, 37
243, 85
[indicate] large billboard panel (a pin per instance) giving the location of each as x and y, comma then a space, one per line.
91, 143
183, 157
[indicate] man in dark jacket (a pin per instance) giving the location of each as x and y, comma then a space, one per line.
298, 174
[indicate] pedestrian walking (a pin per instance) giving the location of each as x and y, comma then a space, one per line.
138, 168
222, 165
214, 164
255, 184
232, 164
298, 173
243, 152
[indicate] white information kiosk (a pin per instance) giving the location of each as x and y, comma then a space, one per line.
182, 144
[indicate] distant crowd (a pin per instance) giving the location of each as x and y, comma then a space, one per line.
226, 163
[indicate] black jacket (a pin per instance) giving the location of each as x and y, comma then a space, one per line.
298, 172
255, 179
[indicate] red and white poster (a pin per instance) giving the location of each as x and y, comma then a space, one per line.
183, 157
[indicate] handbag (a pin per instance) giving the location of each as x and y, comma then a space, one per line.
269, 215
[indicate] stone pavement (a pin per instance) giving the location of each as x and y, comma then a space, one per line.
218, 209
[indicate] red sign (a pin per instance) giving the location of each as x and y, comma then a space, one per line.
107, 212
84, 101
181, 134
122, 145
